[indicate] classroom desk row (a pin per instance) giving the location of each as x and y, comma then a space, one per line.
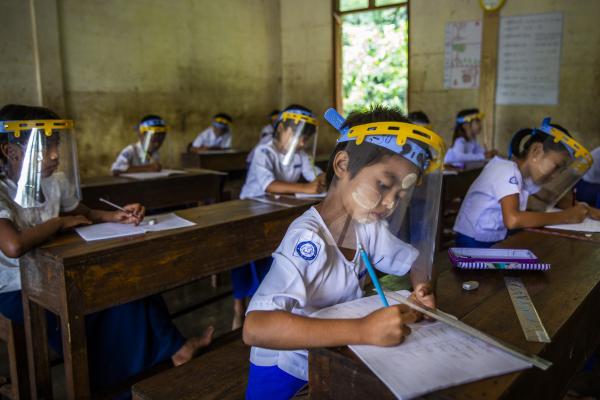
73, 278
566, 298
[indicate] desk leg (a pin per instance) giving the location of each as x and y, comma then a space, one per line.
37, 349
75, 353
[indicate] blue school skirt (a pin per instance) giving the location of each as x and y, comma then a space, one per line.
246, 279
588, 192
122, 341
271, 383
467, 241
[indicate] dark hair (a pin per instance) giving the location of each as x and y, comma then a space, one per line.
19, 112
459, 132
418, 117
370, 153
309, 130
150, 117
224, 116
535, 136
274, 112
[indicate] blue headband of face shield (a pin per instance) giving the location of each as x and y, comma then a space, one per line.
545, 128
411, 151
152, 122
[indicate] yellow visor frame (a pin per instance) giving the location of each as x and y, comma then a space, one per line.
471, 117
155, 129
404, 131
583, 158
47, 125
297, 118
221, 120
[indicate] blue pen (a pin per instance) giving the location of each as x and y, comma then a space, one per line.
371, 271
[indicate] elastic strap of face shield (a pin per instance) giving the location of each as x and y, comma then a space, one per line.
46, 125
398, 137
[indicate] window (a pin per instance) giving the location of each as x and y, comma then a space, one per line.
371, 54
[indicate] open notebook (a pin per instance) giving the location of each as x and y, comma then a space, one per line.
433, 357
110, 230
587, 225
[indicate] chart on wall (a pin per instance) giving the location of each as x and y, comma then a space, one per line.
462, 55
529, 59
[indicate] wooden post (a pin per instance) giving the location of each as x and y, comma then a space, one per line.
487, 75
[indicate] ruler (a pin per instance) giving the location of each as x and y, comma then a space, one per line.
528, 317
469, 330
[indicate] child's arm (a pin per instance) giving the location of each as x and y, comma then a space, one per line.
15, 243
514, 218
284, 330
135, 214
152, 167
313, 187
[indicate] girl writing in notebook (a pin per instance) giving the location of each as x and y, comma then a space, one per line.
544, 163
465, 147
39, 197
379, 162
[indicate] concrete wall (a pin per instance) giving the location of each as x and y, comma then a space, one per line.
183, 60
307, 61
579, 71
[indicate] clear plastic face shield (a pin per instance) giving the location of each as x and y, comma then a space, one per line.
221, 125
296, 130
34, 153
152, 135
556, 164
387, 182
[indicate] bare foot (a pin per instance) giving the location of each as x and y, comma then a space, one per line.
191, 346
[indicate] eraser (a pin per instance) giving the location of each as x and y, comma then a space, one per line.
470, 285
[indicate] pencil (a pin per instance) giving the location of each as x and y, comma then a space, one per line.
371, 271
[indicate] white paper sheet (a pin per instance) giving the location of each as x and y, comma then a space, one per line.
111, 230
310, 196
433, 357
142, 176
588, 225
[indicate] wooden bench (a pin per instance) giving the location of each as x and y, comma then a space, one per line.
14, 337
219, 373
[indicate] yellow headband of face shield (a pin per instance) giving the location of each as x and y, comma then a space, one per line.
404, 131
155, 129
297, 118
470, 118
47, 125
221, 120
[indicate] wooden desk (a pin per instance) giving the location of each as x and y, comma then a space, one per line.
73, 278
566, 297
193, 187
218, 160
593, 237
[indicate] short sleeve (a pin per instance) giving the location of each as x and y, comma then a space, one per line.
200, 139
461, 153
124, 160
388, 253
262, 168
505, 181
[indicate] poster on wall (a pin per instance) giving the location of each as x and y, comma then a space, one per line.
529, 59
462, 55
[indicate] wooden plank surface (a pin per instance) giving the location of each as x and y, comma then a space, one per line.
593, 237
218, 160
193, 187
566, 298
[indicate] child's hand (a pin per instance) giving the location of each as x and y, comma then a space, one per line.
491, 153
594, 213
71, 221
134, 215
576, 214
387, 326
423, 294
155, 167
314, 187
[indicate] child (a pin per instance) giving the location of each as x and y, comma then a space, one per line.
419, 118
278, 165
266, 133
276, 168
39, 197
496, 202
465, 147
588, 188
215, 137
318, 264
143, 156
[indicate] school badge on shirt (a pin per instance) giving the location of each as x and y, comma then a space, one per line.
513, 180
307, 249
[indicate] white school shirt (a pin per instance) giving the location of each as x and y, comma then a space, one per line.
208, 138
310, 273
266, 135
59, 198
593, 174
480, 215
267, 166
131, 156
464, 150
